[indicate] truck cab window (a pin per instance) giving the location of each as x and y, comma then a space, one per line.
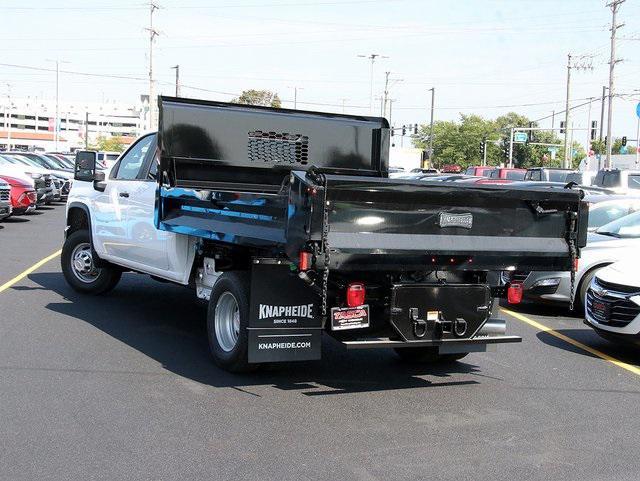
133, 160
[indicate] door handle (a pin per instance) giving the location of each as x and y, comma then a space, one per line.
124, 194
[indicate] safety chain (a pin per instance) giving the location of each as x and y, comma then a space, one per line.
326, 250
573, 253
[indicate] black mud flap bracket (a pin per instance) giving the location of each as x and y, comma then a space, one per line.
285, 322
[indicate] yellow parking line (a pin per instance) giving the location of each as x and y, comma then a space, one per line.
573, 342
24, 274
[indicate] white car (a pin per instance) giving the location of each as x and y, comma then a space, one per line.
612, 242
38, 178
613, 302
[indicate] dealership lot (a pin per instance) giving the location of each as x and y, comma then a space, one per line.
121, 386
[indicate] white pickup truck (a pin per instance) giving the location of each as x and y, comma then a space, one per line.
288, 224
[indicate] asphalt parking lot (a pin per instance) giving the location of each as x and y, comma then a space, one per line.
121, 387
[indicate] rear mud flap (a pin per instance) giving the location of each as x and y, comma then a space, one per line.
285, 322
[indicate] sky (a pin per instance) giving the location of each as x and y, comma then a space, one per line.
484, 57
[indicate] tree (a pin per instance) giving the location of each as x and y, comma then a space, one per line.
266, 98
460, 142
108, 144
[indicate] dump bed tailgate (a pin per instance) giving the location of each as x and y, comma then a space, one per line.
395, 223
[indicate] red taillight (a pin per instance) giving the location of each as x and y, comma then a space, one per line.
23, 200
355, 294
575, 265
514, 293
305, 261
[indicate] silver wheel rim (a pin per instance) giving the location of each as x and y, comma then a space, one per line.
227, 321
82, 263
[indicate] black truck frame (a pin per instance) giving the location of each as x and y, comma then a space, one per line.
301, 206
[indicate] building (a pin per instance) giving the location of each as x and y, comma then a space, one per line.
29, 124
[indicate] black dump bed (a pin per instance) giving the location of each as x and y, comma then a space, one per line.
286, 181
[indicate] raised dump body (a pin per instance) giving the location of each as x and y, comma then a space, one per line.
276, 180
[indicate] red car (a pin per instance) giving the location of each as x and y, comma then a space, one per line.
23, 197
506, 173
480, 171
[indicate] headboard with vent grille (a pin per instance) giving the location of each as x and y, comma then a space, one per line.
206, 143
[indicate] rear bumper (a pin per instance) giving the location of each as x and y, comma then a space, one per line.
492, 332
449, 345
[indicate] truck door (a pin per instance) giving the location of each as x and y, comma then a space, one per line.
151, 250
110, 223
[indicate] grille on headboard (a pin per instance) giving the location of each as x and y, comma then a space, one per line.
278, 147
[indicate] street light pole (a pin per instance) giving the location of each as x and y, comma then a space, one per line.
371, 57
433, 97
604, 93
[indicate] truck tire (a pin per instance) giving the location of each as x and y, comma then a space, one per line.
227, 322
78, 266
427, 355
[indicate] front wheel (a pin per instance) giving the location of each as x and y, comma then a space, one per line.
227, 322
427, 355
79, 269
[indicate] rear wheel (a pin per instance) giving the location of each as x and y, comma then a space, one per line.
227, 322
79, 269
427, 355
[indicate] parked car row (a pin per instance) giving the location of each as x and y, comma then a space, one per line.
30, 179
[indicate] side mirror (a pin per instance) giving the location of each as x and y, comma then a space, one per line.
85, 165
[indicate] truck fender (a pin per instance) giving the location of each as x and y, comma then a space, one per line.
75, 223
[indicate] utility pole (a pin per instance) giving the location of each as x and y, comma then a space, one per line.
553, 119
343, 101
615, 5
371, 57
177, 69
86, 130
386, 93
152, 100
583, 63
57, 121
565, 161
433, 97
390, 109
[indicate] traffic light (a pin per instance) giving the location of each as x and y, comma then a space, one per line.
531, 136
606, 140
562, 126
624, 140
505, 150
404, 130
415, 129
594, 129
392, 129
482, 147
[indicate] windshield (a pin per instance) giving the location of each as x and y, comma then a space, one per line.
19, 159
515, 175
41, 161
627, 227
557, 176
55, 161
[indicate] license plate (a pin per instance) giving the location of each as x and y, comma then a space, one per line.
601, 309
343, 318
